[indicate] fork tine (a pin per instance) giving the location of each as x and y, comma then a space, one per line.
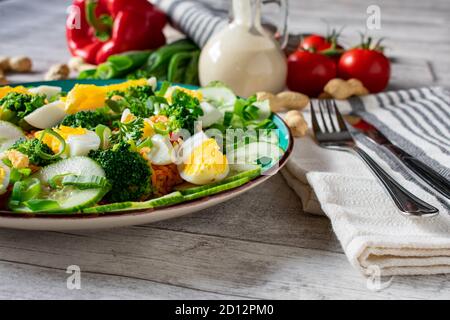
330, 112
340, 120
324, 122
315, 124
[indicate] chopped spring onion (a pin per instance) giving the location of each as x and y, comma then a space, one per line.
56, 181
228, 116
19, 174
104, 133
161, 128
47, 156
251, 113
85, 182
37, 205
164, 86
26, 190
147, 143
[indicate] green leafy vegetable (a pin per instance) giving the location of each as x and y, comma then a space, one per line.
22, 104
33, 148
183, 112
86, 119
42, 151
129, 131
128, 173
137, 99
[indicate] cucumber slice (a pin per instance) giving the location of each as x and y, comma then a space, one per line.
220, 97
169, 199
217, 189
191, 189
255, 153
9, 134
70, 198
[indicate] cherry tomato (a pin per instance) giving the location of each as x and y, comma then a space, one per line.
328, 45
316, 42
368, 65
309, 72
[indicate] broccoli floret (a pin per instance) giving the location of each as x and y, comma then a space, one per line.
128, 173
137, 99
22, 104
33, 148
86, 119
183, 112
132, 130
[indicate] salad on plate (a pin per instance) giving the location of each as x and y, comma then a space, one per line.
128, 146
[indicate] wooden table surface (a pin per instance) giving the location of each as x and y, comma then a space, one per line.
260, 245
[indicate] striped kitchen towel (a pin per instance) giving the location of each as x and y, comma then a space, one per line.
373, 234
198, 19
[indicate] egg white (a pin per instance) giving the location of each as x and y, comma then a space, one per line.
186, 150
189, 145
162, 152
81, 145
49, 91
47, 116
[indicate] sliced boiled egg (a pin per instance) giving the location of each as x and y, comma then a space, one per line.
202, 162
210, 115
49, 91
193, 93
4, 178
127, 116
79, 141
85, 97
47, 116
162, 152
81, 145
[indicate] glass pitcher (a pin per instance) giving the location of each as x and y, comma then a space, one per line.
244, 55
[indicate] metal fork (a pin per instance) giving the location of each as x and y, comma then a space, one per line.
337, 137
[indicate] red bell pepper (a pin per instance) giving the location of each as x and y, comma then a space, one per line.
97, 29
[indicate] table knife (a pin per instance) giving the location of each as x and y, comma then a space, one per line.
425, 172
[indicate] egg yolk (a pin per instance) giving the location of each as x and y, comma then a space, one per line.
5, 90
2, 177
193, 93
206, 159
90, 97
64, 132
125, 85
148, 130
18, 159
85, 97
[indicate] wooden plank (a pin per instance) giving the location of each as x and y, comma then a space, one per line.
207, 263
25, 281
270, 213
259, 245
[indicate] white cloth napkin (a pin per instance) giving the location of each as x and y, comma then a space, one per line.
372, 232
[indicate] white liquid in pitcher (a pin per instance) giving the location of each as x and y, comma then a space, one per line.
243, 56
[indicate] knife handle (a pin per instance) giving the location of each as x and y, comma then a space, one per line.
434, 179
406, 202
